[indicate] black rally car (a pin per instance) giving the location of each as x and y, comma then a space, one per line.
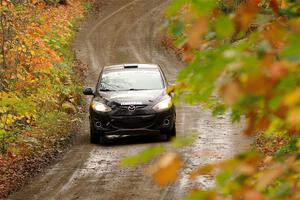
131, 99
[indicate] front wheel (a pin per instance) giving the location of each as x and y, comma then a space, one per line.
170, 133
102, 139
94, 136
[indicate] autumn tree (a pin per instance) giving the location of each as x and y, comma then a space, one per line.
241, 57
39, 84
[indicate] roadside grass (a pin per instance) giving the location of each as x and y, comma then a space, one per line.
88, 7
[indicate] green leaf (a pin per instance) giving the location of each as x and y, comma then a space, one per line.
175, 7
223, 178
275, 102
204, 6
224, 26
281, 191
291, 51
219, 110
177, 29
287, 83
2, 132
199, 195
143, 157
287, 149
236, 115
185, 141
180, 41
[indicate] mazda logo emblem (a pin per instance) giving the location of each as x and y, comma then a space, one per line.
131, 108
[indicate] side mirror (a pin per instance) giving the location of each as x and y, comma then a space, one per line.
88, 91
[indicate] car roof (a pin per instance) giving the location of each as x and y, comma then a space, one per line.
131, 66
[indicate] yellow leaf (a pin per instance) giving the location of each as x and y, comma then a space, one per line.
171, 89
293, 117
292, 98
20, 77
165, 171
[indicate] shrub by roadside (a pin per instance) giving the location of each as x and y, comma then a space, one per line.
40, 85
246, 52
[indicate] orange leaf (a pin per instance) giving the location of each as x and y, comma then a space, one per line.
295, 25
165, 171
246, 14
246, 169
187, 57
197, 31
278, 70
230, 93
207, 169
274, 35
283, 4
252, 195
258, 84
269, 177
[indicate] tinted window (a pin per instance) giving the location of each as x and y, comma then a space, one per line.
149, 79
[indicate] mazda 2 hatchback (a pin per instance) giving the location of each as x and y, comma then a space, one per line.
131, 99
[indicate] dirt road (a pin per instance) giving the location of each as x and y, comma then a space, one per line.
128, 31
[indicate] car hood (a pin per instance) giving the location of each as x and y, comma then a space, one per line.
142, 97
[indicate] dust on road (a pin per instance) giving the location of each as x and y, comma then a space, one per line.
128, 31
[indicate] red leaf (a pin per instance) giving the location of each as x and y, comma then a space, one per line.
274, 5
246, 14
251, 123
263, 124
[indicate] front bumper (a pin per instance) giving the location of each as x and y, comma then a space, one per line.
109, 123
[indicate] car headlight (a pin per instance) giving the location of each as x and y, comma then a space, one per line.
100, 107
163, 105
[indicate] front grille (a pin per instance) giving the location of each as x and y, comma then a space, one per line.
132, 122
123, 110
137, 107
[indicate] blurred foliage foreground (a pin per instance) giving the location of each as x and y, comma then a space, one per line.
39, 85
242, 57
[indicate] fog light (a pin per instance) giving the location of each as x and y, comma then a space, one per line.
166, 122
98, 124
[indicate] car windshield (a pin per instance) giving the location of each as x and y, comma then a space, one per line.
149, 79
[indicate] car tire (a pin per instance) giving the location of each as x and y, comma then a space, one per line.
102, 138
170, 133
94, 136
97, 137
